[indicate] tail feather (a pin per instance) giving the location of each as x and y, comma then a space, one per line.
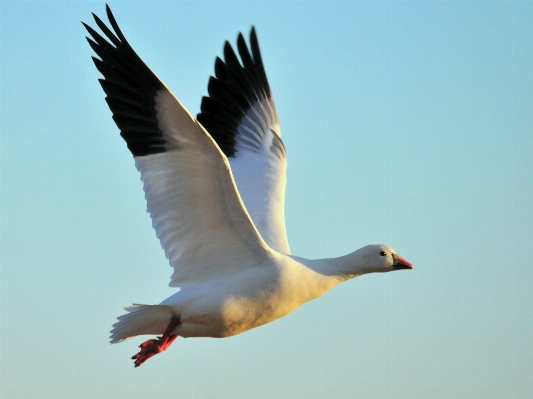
141, 320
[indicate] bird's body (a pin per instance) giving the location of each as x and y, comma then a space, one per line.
254, 297
215, 189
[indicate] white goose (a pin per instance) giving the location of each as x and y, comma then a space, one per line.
215, 189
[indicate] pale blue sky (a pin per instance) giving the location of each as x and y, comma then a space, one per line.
406, 123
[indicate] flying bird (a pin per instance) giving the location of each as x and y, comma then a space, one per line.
215, 190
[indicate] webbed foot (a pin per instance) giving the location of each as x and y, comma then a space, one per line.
157, 345
153, 347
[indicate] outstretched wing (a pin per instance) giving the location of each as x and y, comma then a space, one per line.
240, 115
192, 198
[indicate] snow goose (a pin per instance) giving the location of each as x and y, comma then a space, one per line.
215, 190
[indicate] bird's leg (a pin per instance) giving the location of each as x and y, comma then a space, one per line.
157, 345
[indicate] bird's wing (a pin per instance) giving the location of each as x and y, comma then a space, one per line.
240, 115
192, 198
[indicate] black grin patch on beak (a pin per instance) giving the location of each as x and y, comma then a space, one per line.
400, 263
400, 267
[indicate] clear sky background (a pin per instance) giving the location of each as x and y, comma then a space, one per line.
406, 123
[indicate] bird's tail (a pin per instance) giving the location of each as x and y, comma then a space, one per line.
141, 320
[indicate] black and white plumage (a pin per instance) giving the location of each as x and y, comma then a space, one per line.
215, 189
240, 115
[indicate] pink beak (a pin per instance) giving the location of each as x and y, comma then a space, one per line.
401, 263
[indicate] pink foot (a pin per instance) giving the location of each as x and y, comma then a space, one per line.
154, 346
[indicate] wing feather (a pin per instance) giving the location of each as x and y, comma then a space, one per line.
241, 116
196, 210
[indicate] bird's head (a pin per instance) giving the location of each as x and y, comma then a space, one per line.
376, 259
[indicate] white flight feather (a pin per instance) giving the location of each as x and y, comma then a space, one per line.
260, 172
195, 207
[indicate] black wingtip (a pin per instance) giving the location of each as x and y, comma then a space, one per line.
240, 81
114, 24
228, 48
130, 87
95, 17
86, 26
254, 43
253, 34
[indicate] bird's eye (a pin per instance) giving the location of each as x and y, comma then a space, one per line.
383, 253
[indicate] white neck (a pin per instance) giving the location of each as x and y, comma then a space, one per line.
316, 277
342, 268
